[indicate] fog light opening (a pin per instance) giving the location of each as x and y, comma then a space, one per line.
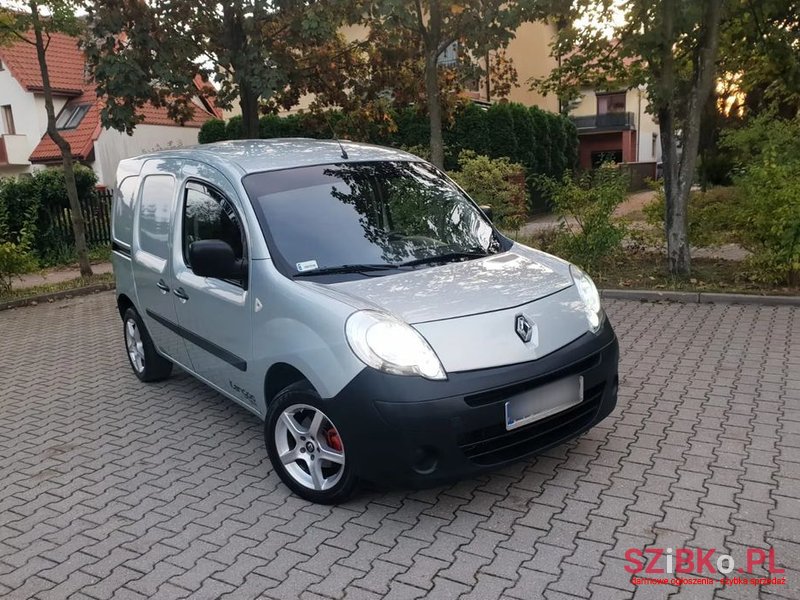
426, 459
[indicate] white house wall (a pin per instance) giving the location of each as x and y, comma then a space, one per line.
30, 118
113, 146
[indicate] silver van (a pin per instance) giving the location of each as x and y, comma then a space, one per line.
362, 305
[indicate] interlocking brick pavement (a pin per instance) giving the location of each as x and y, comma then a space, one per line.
110, 488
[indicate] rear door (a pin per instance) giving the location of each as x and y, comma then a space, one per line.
152, 267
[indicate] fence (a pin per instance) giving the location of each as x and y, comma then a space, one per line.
639, 173
96, 211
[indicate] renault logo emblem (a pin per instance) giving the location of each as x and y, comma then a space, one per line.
525, 329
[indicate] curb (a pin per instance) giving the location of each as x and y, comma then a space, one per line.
699, 297
42, 298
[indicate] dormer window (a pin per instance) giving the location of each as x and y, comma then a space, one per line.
71, 116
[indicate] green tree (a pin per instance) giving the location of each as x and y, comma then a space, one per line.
433, 26
678, 49
263, 53
33, 23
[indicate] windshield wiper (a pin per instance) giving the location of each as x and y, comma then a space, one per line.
359, 268
448, 257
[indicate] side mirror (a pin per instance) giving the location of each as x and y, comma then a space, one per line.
215, 258
487, 210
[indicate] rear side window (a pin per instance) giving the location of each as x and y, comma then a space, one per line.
155, 209
123, 210
208, 215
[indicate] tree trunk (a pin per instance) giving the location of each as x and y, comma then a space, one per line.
434, 109
248, 102
676, 200
679, 171
78, 225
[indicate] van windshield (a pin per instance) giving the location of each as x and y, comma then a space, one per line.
370, 218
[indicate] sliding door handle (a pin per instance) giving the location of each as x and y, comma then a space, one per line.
181, 294
162, 286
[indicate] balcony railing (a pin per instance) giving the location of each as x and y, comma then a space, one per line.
607, 121
14, 150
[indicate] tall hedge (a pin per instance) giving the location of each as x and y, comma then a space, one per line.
44, 194
544, 143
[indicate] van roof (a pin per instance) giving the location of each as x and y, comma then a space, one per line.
252, 156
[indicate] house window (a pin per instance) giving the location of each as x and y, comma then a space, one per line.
449, 57
8, 120
655, 145
610, 103
71, 116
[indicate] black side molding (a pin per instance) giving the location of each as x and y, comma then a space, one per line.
201, 342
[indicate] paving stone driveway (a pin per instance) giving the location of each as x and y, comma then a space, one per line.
112, 488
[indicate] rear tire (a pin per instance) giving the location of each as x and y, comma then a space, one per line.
306, 448
147, 364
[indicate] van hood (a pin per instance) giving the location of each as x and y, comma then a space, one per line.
500, 281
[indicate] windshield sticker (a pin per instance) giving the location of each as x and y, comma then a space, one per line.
307, 265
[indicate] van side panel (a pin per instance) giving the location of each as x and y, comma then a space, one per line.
122, 213
298, 326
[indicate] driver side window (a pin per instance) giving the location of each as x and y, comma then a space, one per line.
208, 215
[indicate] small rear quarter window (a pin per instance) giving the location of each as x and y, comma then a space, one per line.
123, 210
155, 212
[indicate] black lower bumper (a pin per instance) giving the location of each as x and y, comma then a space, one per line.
418, 432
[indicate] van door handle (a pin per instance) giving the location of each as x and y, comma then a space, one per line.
181, 294
162, 286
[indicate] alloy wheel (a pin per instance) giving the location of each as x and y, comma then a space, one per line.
309, 447
133, 342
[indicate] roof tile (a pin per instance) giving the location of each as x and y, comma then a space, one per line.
66, 64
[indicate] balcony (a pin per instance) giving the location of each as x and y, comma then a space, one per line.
605, 122
14, 150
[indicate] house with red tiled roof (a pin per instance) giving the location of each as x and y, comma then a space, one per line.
24, 144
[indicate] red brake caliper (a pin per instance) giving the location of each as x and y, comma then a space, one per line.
333, 439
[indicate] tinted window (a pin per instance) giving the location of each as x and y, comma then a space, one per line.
380, 212
208, 215
155, 209
123, 210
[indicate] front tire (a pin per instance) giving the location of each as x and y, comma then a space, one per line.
306, 448
147, 364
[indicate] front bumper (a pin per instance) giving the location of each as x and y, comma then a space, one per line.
418, 432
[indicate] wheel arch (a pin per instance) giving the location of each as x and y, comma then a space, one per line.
279, 376
123, 304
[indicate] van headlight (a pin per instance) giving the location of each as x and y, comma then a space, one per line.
388, 344
587, 290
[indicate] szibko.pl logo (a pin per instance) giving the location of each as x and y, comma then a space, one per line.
665, 561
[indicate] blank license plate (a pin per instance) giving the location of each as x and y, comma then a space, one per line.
539, 403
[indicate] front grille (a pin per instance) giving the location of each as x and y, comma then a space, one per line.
505, 392
494, 444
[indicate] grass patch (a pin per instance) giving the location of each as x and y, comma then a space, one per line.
650, 271
51, 288
642, 269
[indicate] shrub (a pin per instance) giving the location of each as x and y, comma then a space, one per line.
712, 215
589, 201
234, 130
542, 142
15, 249
769, 220
43, 195
761, 214
497, 182
762, 137
212, 130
